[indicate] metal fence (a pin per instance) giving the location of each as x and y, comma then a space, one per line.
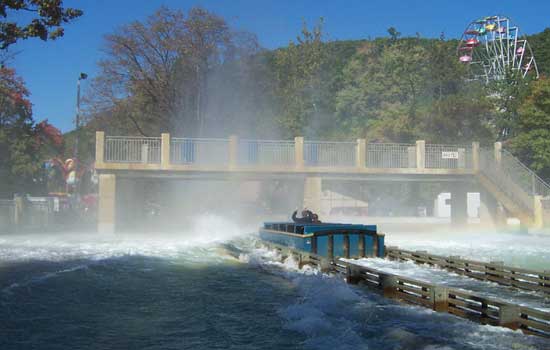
448, 156
333, 154
124, 149
505, 178
391, 155
266, 152
199, 151
523, 176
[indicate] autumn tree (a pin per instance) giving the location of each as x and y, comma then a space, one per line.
50, 16
156, 72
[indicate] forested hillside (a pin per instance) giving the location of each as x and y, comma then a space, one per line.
192, 75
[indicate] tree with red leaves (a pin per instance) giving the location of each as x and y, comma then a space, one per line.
23, 144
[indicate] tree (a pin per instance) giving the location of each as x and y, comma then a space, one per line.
19, 159
532, 141
299, 82
156, 72
51, 15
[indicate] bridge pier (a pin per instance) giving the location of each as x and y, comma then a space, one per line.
459, 205
313, 193
106, 205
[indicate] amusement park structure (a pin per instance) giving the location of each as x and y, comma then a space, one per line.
492, 46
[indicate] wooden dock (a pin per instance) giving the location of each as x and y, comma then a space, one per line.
494, 271
439, 298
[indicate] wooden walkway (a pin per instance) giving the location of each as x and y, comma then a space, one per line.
439, 298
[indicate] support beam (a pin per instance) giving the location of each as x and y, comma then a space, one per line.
538, 212
99, 148
475, 156
165, 151
498, 152
459, 205
106, 205
361, 154
299, 152
420, 154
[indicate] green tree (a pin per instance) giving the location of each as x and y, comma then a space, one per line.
47, 24
532, 140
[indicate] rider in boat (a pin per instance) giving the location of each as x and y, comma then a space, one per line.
307, 217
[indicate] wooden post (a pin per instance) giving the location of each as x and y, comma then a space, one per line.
361, 154
99, 148
330, 247
508, 316
353, 274
475, 156
299, 152
440, 298
361, 245
233, 151
420, 154
388, 283
346, 246
165, 151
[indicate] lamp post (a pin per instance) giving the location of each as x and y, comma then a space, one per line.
82, 76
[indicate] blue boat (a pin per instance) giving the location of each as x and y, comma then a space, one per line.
328, 240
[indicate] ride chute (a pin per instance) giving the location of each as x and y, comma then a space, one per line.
492, 47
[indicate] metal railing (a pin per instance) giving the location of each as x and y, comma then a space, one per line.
266, 152
126, 149
391, 155
329, 154
199, 151
512, 177
448, 156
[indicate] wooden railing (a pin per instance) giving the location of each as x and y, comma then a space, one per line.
487, 271
439, 298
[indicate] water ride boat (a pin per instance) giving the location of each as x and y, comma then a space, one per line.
328, 240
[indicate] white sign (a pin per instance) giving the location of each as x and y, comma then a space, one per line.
449, 155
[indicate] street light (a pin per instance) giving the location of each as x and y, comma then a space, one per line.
82, 76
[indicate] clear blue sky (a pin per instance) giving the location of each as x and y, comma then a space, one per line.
50, 69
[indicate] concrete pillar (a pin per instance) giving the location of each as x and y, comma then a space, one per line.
475, 156
459, 205
538, 213
165, 151
106, 205
439, 296
99, 148
18, 212
361, 154
420, 154
233, 151
299, 152
498, 152
312, 193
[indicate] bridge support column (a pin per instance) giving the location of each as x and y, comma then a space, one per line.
459, 205
312, 193
106, 205
538, 214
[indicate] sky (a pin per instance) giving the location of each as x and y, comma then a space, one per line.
50, 69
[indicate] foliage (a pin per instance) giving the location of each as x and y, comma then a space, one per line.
532, 140
50, 16
156, 73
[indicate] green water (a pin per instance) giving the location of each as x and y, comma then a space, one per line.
85, 292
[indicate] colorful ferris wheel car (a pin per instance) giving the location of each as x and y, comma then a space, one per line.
492, 47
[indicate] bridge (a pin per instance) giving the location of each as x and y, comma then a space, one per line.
501, 178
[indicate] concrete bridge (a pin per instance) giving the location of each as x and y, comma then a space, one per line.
493, 172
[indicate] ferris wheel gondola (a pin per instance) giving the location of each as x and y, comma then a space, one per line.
492, 47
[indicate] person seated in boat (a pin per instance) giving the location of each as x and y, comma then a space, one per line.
315, 219
307, 217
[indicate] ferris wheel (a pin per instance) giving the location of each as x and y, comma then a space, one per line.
492, 46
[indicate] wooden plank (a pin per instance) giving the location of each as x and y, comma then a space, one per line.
534, 324
543, 315
414, 290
